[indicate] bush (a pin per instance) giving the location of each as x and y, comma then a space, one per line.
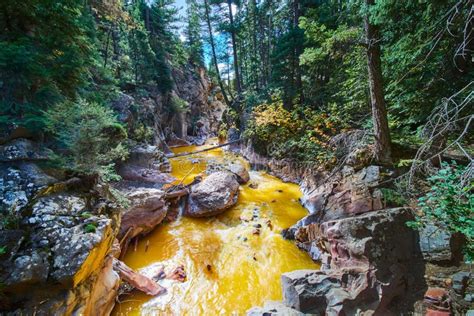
449, 203
142, 133
90, 136
300, 134
178, 105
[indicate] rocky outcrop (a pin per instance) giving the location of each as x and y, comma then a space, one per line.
146, 164
215, 194
56, 237
191, 111
368, 261
147, 210
20, 178
64, 246
205, 110
347, 194
439, 245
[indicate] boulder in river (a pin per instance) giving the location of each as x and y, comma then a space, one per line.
215, 194
147, 209
237, 167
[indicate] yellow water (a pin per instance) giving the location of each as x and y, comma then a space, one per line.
229, 268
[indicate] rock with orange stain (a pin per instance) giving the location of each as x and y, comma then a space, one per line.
137, 280
215, 194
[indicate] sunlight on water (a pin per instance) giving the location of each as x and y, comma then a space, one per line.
229, 267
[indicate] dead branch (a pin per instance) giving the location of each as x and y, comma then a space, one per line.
206, 149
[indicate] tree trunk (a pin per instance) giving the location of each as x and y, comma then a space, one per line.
214, 56
297, 52
234, 49
382, 148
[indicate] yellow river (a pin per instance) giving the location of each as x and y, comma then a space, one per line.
229, 267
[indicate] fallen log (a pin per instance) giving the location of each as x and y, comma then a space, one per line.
137, 280
206, 149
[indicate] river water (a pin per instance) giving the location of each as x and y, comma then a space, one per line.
229, 267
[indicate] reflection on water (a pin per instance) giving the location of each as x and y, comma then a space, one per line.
233, 261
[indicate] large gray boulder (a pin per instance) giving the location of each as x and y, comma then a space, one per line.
215, 194
240, 170
147, 209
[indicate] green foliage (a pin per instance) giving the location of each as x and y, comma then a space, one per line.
120, 198
10, 220
194, 42
419, 64
3, 250
449, 203
86, 215
45, 55
90, 136
90, 228
142, 133
178, 105
393, 197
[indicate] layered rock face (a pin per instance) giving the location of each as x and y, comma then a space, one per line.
368, 261
192, 111
205, 111
57, 238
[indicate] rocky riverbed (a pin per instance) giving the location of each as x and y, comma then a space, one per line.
210, 234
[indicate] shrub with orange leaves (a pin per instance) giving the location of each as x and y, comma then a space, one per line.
300, 134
